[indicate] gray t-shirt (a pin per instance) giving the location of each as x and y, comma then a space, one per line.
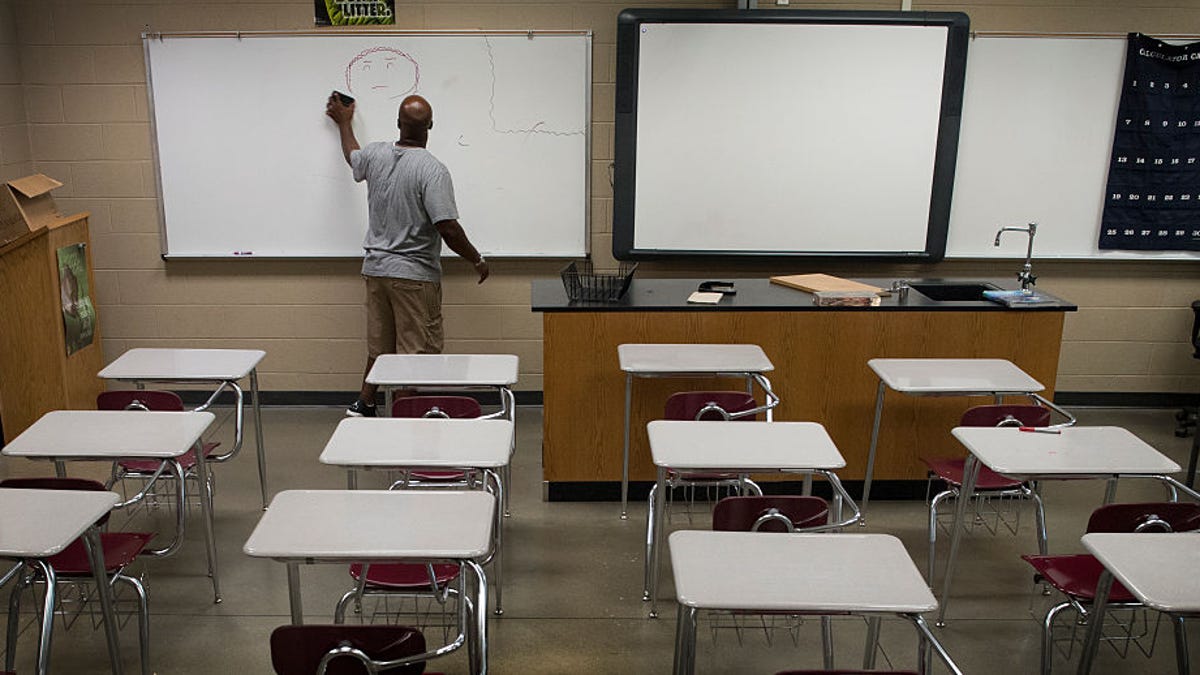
408, 190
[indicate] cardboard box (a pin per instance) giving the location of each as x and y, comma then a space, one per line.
26, 206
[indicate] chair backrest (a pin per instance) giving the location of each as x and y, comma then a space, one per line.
457, 407
708, 405
298, 650
1006, 416
52, 483
772, 513
139, 399
1146, 517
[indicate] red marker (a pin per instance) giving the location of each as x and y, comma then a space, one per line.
1039, 430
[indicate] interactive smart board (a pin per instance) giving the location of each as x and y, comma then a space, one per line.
786, 133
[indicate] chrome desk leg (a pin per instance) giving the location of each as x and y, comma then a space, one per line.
965, 494
660, 503
625, 456
827, 642
43, 662
866, 494
481, 665
1181, 647
295, 603
685, 641
206, 512
258, 437
927, 641
498, 560
91, 542
1095, 623
509, 399
1110, 490
872, 642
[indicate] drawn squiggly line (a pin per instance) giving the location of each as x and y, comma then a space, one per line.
492, 106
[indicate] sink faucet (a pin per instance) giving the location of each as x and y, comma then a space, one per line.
1025, 276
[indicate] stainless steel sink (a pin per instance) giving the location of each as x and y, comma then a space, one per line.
953, 291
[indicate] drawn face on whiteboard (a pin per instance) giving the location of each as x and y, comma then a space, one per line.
382, 73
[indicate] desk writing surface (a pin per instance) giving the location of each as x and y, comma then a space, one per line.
41, 523
948, 376
183, 364
1158, 568
112, 434
842, 572
1085, 451
459, 370
775, 446
355, 525
693, 358
397, 441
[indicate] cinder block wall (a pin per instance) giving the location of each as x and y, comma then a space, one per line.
15, 157
73, 105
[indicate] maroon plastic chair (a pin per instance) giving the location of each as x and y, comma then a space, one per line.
776, 513
71, 565
950, 470
347, 650
413, 578
705, 406
145, 399
1076, 576
433, 407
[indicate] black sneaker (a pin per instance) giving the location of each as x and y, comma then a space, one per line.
360, 409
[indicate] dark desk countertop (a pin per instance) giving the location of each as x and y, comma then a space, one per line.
759, 295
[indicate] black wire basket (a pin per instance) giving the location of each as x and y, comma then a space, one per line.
584, 284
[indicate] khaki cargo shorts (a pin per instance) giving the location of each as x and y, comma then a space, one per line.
403, 316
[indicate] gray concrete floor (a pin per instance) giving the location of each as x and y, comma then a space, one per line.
573, 580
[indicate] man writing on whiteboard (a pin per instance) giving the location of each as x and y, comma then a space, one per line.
411, 210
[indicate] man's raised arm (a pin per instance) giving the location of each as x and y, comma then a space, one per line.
342, 115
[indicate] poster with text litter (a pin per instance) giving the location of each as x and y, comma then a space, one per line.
354, 12
1153, 198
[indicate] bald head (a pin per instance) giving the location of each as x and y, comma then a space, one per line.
415, 112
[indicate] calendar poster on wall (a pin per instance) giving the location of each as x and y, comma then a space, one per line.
1153, 198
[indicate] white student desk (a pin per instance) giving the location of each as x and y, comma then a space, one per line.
736, 447
1077, 452
427, 444
37, 524
451, 371
943, 377
113, 435
1159, 569
688, 360
221, 367
810, 573
347, 526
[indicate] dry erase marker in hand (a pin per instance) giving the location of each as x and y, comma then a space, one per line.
1037, 430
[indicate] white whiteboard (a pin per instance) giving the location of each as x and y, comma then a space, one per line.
1036, 138
248, 164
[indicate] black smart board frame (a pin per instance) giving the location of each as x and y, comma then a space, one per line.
629, 23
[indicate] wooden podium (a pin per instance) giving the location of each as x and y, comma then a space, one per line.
36, 374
